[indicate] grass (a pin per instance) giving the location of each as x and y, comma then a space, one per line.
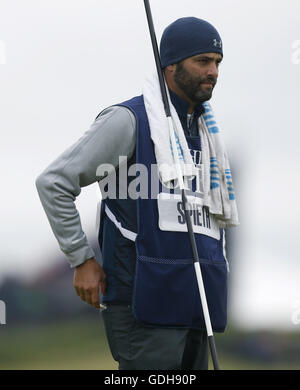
81, 345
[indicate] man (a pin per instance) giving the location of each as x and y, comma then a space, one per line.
153, 318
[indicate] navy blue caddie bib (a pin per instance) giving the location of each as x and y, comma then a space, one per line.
166, 292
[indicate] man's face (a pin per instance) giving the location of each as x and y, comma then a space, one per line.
197, 76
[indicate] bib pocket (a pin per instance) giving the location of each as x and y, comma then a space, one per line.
166, 293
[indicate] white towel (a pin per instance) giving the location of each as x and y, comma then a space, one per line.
219, 194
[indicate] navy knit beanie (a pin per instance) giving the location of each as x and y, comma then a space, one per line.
187, 37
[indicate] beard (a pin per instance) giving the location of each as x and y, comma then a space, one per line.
192, 85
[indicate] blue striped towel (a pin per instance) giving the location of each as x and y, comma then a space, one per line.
219, 193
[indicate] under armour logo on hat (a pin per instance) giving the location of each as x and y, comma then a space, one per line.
217, 43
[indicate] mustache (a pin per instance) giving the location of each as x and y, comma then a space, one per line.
209, 81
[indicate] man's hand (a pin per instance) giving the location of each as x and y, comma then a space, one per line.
88, 277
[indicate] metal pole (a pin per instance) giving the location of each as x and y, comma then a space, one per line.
165, 99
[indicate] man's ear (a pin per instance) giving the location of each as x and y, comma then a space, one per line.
170, 68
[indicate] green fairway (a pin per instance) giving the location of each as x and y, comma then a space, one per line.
81, 344
77, 344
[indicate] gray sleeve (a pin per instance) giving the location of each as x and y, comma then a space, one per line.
111, 134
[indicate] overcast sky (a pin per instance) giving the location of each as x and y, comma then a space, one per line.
61, 62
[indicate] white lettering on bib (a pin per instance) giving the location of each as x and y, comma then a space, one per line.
172, 216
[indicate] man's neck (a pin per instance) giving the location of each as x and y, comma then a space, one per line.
185, 104
182, 108
174, 88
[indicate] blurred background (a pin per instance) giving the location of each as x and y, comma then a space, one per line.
61, 63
